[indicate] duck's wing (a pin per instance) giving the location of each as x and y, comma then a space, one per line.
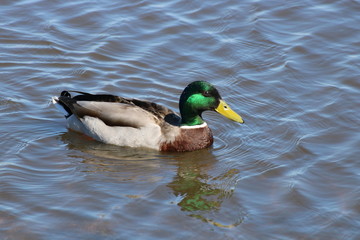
113, 110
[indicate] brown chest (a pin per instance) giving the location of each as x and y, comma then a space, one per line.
190, 139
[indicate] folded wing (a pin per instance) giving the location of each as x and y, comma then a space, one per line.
114, 111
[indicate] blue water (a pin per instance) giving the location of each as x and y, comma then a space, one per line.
291, 69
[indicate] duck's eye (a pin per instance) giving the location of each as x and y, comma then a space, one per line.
206, 94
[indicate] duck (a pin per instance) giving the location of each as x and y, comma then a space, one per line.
131, 122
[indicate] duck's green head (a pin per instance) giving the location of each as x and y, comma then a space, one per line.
200, 96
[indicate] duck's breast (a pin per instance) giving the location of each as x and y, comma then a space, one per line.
190, 139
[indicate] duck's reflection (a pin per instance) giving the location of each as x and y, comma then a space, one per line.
202, 194
198, 191
192, 183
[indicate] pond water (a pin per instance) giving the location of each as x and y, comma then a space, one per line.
291, 69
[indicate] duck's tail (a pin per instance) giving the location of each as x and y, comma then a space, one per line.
61, 106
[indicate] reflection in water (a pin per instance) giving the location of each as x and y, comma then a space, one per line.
190, 183
201, 193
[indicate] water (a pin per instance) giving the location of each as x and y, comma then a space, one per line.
291, 69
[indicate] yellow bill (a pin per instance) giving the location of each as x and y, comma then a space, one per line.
226, 111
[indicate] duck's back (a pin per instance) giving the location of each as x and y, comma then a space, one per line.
116, 120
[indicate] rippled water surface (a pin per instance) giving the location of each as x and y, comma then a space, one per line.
290, 68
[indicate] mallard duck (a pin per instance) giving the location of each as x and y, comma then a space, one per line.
137, 123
